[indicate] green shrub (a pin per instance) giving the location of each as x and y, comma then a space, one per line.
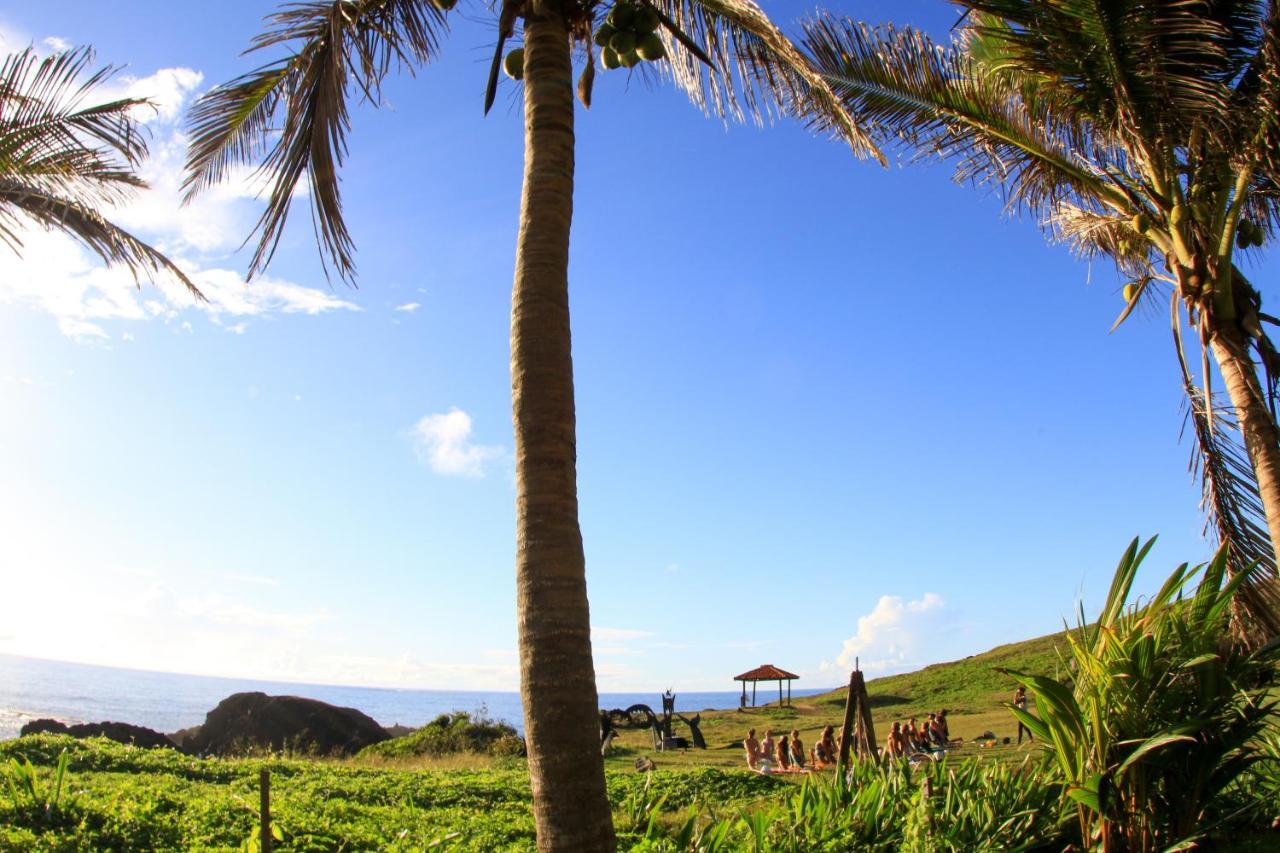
452, 733
1165, 711
970, 806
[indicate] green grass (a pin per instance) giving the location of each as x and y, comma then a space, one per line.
127, 798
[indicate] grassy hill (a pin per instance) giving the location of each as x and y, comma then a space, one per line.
971, 685
971, 689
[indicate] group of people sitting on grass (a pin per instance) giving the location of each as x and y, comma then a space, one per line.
905, 740
787, 753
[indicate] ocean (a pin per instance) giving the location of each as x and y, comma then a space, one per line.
78, 693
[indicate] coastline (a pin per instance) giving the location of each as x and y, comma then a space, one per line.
33, 688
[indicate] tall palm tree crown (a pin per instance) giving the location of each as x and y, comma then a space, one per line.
291, 117
65, 157
1146, 132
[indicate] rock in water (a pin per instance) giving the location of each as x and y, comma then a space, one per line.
118, 732
251, 722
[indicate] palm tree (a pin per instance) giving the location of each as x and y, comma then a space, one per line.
1147, 132
63, 157
292, 116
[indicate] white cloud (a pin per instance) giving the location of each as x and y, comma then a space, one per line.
57, 45
167, 89
409, 307
444, 443
58, 276
896, 634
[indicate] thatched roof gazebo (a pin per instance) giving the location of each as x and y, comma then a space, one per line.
766, 672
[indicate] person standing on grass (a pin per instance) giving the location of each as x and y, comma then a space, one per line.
1020, 702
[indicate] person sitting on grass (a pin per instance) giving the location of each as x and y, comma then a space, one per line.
893, 743
935, 733
824, 752
752, 746
926, 730
797, 750
784, 754
914, 737
942, 727
767, 746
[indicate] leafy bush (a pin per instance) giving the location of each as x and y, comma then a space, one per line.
452, 733
41, 801
971, 806
1165, 712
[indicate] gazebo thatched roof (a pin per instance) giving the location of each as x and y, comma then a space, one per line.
766, 672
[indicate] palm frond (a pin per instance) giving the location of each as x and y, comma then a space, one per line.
292, 113
63, 157
1233, 506
935, 102
1090, 234
1144, 72
43, 111
754, 69
108, 241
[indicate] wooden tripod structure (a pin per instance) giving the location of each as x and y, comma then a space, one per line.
857, 728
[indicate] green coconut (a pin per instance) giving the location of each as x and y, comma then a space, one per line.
1244, 234
1251, 232
1140, 222
513, 64
609, 58
630, 60
1130, 291
650, 47
444, 5
646, 20
623, 41
622, 16
604, 34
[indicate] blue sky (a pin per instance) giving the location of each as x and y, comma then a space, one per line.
825, 408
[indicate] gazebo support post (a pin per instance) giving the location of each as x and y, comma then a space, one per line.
779, 691
753, 694
788, 692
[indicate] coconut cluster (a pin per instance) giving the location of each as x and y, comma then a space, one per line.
1249, 234
629, 35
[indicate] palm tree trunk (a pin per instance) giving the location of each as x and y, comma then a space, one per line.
1261, 438
557, 677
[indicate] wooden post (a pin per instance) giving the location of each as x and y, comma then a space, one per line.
788, 691
264, 814
753, 694
779, 680
865, 729
846, 728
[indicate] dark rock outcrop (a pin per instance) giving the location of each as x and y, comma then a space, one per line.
119, 732
256, 722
